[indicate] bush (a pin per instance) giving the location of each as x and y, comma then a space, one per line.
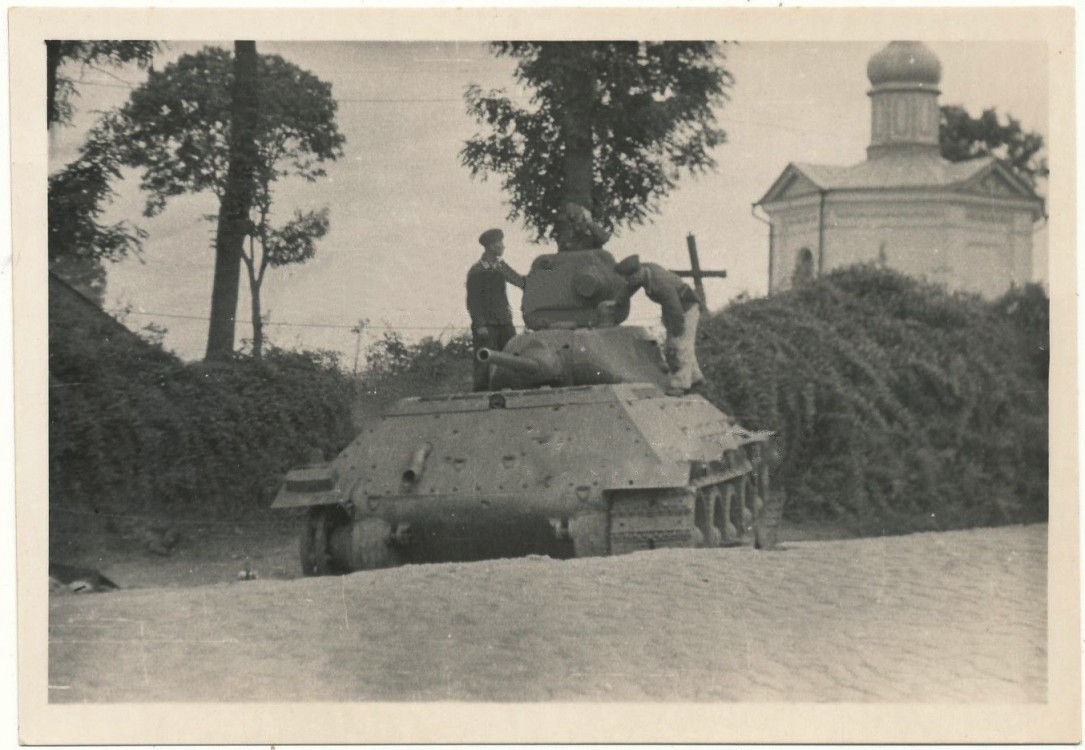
132, 427
396, 369
898, 406
390, 356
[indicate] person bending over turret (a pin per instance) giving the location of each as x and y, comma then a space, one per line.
681, 314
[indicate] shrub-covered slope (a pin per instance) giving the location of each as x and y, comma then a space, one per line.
132, 427
899, 406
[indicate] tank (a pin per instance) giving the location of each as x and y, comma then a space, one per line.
575, 451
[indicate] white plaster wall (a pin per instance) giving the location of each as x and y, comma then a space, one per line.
793, 229
961, 245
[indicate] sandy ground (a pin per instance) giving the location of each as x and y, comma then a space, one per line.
954, 616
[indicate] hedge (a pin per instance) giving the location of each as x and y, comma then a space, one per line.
899, 406
132, 427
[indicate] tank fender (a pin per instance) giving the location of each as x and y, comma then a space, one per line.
307, 486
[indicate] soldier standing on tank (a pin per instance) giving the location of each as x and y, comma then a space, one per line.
681, 314
487, 303
577, 230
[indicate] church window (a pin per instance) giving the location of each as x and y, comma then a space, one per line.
804, 268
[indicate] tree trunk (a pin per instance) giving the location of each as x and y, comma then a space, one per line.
577, 133
576, 124
257, 321
52, 64
233, 219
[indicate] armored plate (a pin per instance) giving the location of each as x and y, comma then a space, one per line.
540, 446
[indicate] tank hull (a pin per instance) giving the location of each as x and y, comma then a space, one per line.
566, 472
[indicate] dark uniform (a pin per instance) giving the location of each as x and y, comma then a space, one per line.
488, 306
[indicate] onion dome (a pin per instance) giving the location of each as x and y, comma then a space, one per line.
904, 62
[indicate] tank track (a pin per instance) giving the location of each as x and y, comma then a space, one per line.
724, 514
646, 520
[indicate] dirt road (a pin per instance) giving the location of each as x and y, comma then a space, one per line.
955, 616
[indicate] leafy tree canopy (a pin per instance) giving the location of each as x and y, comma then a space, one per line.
178, 125
650, 108
77, 196
295, 241
964, 137
114, 53
78, 241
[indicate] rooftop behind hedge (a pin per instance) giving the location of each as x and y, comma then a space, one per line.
899, 406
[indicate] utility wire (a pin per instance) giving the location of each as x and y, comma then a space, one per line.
337, 326
776, 125
106, 85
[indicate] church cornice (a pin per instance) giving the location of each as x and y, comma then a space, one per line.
986, 180
780, 186
1017, 186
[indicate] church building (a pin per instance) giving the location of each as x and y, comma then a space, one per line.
968, 224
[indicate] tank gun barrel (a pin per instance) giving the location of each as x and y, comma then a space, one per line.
510, 362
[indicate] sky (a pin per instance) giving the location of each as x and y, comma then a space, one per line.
405, 214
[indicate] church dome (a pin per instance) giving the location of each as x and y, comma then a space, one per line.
904, 62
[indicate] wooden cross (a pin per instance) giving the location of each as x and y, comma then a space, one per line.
696, 273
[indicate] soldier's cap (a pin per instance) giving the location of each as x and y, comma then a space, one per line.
490, 236
584, 226
576, 212
628, 265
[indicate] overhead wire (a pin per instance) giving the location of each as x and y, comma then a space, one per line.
336, 326
794, 126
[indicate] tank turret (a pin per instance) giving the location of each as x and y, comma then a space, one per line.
564, 290
573, 304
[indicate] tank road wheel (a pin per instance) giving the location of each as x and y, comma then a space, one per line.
371, 545
766, 528
746, 512
726, 498
705, 514
754, 501
315, 552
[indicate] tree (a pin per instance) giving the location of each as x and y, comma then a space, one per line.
295, 242
59, 89
179, 132
235, 200
79, 244
610, 126
78, 194
964, 137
